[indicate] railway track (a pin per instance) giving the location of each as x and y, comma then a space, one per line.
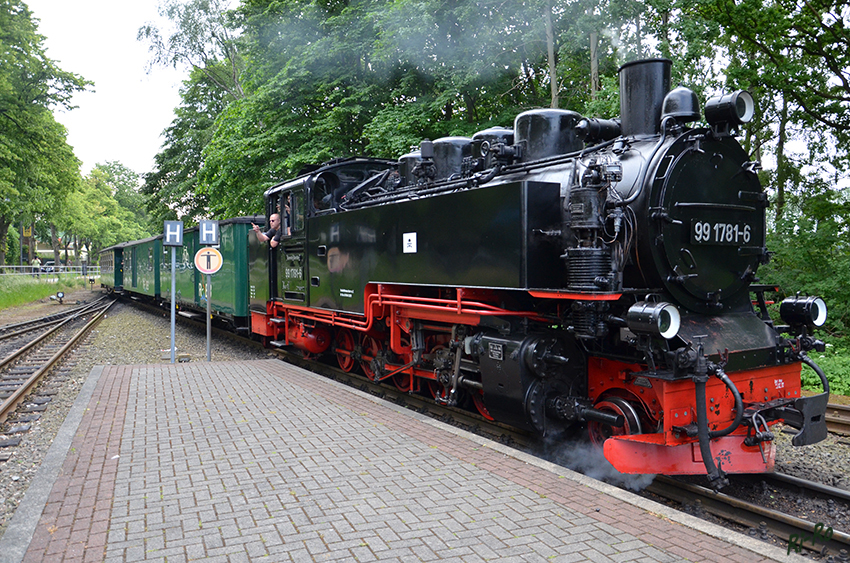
23, 369
838, 419
17, 329
785, 529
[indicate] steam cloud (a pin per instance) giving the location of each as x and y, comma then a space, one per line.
584, 457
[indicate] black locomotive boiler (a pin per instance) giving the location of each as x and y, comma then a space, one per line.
567, 273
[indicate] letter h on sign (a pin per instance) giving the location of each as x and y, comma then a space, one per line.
173, 235
209, 232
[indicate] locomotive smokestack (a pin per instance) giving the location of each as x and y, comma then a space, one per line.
643, 85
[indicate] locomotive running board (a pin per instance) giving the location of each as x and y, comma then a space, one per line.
646, 454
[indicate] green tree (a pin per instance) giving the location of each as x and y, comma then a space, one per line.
94, 213
31, 179
204, 39
126, 190
811, 251
172, 188
797, 56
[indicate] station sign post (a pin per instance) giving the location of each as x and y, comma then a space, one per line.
208, 261
173, 237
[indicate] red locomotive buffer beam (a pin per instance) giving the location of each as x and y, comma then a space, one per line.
672, 451
648, 454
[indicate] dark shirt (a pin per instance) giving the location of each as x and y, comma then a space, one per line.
273, 235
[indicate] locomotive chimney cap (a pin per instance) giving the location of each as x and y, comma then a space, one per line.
682, 104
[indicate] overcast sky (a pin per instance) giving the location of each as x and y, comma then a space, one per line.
123, 117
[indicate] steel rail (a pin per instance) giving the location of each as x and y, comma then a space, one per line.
48, 319
71, 315
838, 419
812, 487
729, 508
11, 358
30, 329
18, 396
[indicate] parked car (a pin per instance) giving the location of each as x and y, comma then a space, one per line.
48, 266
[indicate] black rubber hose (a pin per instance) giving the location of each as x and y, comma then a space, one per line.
714, 474
739, 407
809, 362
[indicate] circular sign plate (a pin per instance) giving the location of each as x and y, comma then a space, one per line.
208, 260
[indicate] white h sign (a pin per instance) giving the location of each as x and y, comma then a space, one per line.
173, 233
209, 232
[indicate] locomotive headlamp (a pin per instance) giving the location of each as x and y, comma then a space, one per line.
659, 319
810, 311
732, 109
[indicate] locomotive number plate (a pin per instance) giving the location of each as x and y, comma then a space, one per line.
706, 232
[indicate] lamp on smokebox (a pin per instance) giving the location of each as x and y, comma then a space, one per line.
657, 319
729, 110
803, 311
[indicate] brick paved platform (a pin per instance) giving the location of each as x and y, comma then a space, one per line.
236, 462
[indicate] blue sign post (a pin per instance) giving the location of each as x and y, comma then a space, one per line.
208, 261
173, 237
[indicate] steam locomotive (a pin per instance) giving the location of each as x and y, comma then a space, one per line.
567, 274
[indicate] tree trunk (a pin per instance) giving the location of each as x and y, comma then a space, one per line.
33, 244
4, 230
54, 243
471, 107
77, 261
550, 47
594, 66
638, 33
781, 161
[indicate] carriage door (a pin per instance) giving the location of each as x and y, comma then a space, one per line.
292, 263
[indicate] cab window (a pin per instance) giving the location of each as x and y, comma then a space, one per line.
325, 191
291, 213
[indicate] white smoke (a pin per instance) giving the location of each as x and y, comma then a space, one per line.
586, 458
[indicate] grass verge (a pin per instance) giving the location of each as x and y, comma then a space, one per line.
17, 290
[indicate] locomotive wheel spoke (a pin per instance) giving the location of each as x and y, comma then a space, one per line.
344, 348
402, 381
478, 399
599, 432
371, 347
